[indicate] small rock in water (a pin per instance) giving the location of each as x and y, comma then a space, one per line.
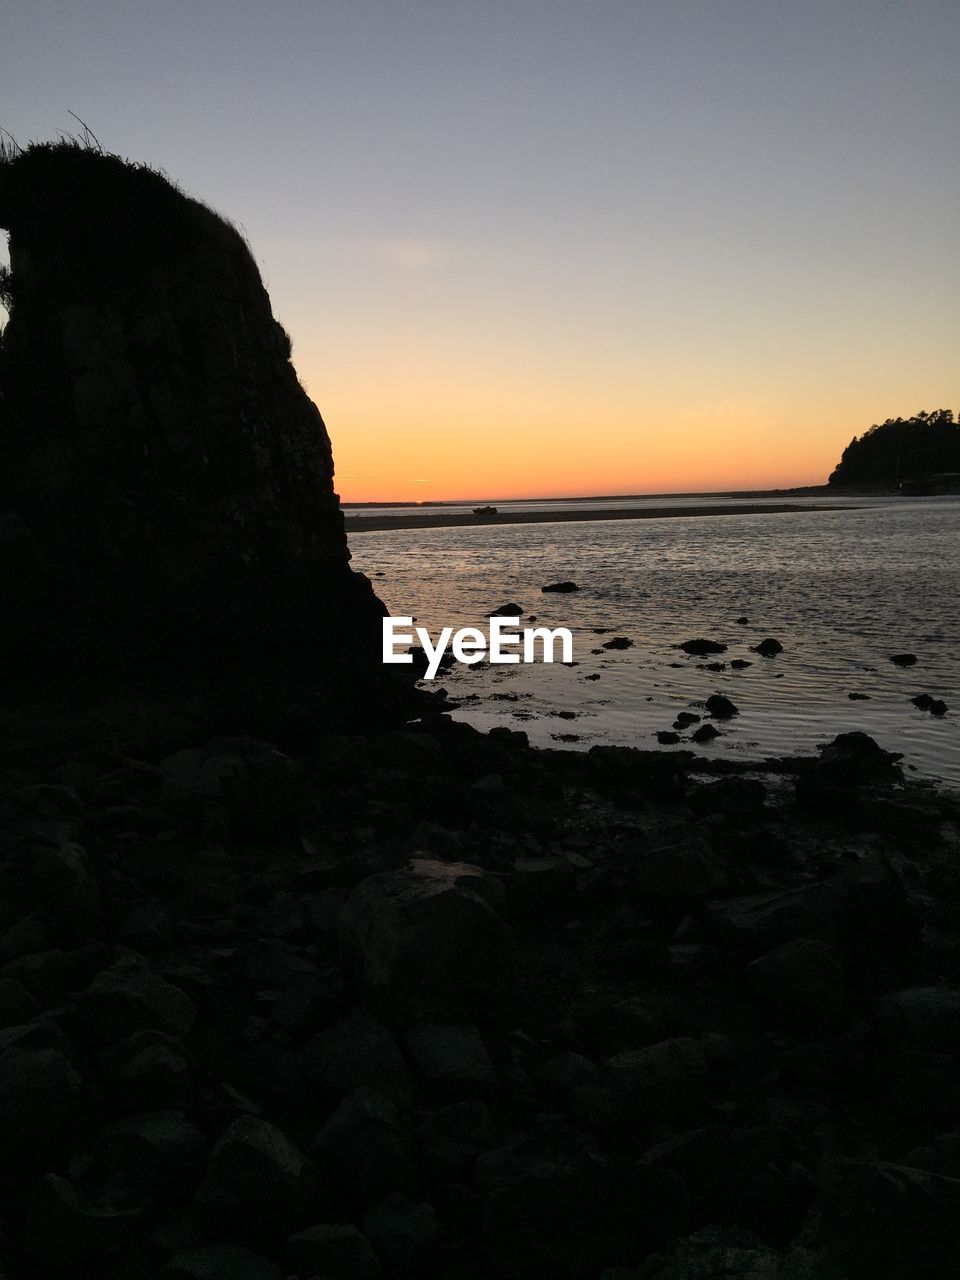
702, 647
685, 718
507, 611
714, 666
936, 706
618, 642
720, 707
903, 659
739, 664
705, 733
768, 648
667, 739
742, 621
858, 697
563, 587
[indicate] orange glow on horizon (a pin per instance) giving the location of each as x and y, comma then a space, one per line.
547, 453
430, 421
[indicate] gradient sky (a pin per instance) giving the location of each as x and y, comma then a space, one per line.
543, 247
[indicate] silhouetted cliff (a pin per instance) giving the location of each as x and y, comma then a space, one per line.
901, 449
167, 502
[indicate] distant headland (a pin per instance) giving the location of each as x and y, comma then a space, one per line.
909, 455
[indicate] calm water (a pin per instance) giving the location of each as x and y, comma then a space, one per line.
841, 589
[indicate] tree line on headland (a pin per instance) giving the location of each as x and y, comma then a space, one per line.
924, 448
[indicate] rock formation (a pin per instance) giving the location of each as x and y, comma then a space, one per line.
168, 509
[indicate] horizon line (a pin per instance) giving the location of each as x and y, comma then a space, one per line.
588, 497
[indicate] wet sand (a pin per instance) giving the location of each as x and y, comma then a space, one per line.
441, 520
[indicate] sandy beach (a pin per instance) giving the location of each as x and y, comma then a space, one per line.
441, 520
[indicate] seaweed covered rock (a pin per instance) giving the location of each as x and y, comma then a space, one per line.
168, 505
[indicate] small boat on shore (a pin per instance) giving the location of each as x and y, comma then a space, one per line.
484, 511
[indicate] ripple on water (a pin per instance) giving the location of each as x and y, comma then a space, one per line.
841, 589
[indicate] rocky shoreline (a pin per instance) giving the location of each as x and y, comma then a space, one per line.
432, 1003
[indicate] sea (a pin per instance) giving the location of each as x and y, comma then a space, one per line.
842, 587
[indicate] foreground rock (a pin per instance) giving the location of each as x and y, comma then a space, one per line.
635, 1014
257, 1182
425, 943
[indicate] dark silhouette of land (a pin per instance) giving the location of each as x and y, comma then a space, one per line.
922, 453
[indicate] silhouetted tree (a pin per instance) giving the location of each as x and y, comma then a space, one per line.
900, 449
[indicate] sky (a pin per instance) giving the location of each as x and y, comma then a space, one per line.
550, 248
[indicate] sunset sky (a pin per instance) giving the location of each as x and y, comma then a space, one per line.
539, 247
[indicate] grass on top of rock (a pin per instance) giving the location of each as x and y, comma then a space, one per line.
109, 215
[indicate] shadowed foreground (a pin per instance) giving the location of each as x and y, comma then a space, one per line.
435, 1004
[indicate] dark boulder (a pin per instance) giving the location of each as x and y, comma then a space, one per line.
688, 869
886, 1222
38, 1088
720, 707
701, 647
735, 798
424, 943
553, 1206
404, 1234
922, 1018
159, 1156
854, 758
219, 1262
257, 1181
357, 1052
862, 912
333, 1251
914, 1085
365, 1147
802, 979
745, 1176
450, 1139
130, 997
453, 1057
562, 587
70, 1227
